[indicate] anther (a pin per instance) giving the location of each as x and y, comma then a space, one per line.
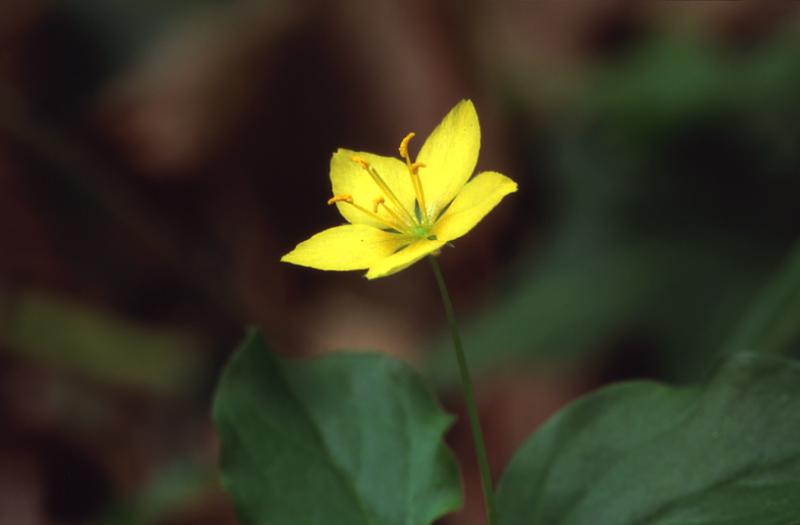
361, 162
340, 198
404, 145
416, 166
377, 202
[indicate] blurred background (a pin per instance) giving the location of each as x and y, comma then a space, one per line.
158, 157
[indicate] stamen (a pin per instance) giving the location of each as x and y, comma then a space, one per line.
399, 225
361, 162
413, 171
404, 146
387, 191
390, 211
340, 198
377, 202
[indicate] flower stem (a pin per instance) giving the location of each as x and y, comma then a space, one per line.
469, 397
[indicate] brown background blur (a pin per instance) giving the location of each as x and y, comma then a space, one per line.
158, 157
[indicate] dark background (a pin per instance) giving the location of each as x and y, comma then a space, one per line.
158, 157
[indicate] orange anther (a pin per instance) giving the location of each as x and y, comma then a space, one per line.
340, 198
416, 166
361, 162
404, 145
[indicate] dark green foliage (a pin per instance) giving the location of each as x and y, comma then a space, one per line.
635, 453
772, 324
674, 200
347, 439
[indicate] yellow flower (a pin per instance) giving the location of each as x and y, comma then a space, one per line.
400, 211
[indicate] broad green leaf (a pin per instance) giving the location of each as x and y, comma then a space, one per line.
347, 439
644, 453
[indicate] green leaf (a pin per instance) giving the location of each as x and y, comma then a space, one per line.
727, 453
98, 345
347, 439
565, 305
579, 299
173, 487
642, 246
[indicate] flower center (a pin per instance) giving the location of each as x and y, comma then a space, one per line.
414, 223
420, 231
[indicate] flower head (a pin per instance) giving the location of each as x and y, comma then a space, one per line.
401, 210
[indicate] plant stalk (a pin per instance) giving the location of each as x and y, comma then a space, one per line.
469, 397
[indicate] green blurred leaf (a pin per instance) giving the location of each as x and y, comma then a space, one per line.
674, 177
665, 82
174, 487
127, 28
643, 452
581, 298
347, 439
98, 345
564, 306
773, 322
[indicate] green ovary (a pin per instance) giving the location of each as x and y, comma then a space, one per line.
420, 231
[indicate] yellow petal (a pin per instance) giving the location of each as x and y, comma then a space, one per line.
449, 155
348, 247
475, 200
403, 258
348, 178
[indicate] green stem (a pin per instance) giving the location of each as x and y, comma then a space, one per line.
469, 396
